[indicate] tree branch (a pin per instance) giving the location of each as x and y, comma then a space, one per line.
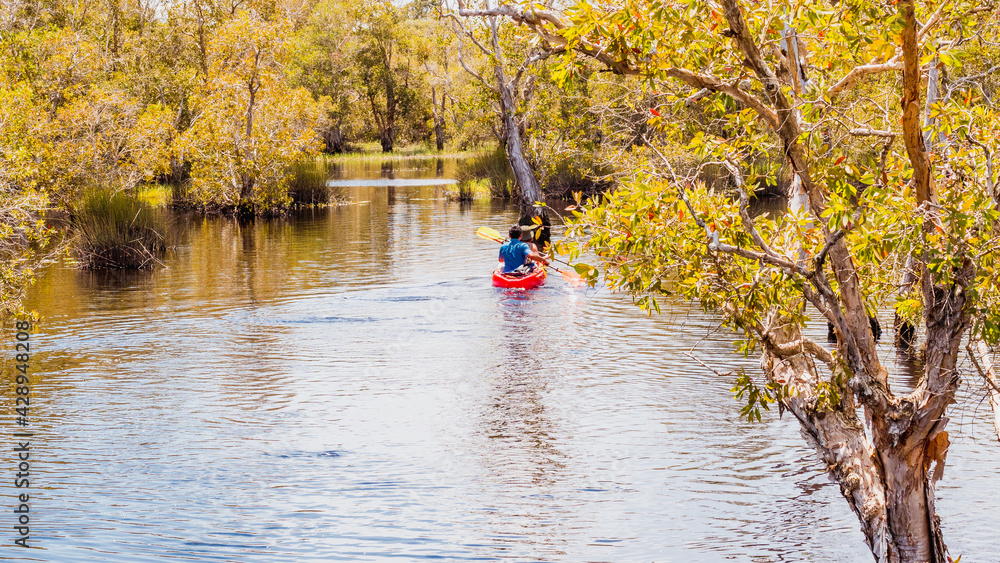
857, 73
537, 57
711, 83
912, 130
464, 31
989, 374
872, 133
536, 19
461, 54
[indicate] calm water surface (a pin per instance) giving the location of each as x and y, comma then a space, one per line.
345, 385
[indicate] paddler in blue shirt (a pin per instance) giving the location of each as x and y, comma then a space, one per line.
517, 253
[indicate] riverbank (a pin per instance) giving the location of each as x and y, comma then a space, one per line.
373, 152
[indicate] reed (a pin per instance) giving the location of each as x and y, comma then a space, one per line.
470, 190
116, 232
307, 186
492, 166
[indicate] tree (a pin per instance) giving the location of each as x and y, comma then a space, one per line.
322, 61
384, 63
434, 48
248, 125
507, 92
815, 85
23, 233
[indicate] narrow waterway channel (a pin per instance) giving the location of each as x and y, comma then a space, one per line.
345, 385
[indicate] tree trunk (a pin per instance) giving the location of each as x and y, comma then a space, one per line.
529, 189
439, 135
438, 118
905, 331
333, 140
387, 136
247, 205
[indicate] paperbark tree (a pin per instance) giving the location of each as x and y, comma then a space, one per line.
781, 79
385, 69
323, 62
439, 84
507, 91
248, 125
435, 47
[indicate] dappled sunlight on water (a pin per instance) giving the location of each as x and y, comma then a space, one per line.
346, 385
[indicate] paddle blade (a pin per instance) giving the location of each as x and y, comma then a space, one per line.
489, 234
572, 277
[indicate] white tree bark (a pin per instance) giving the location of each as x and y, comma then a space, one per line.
529, 188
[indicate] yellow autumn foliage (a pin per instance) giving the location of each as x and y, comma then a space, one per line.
249, 126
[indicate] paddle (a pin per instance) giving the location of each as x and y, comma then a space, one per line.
489, 234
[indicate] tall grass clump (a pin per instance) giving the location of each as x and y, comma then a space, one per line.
492, 167
373, 151
116, 232
470, 190
307, 185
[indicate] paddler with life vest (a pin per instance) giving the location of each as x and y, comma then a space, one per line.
519, 253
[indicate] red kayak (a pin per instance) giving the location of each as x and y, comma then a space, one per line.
528, 281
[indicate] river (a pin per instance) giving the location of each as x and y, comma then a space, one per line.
345, 385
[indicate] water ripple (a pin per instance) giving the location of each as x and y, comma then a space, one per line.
347, 386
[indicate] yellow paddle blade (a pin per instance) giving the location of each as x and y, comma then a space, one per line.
489, 234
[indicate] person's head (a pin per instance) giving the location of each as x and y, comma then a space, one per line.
515, 232
526, 235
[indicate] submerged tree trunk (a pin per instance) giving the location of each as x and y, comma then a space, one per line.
888, 481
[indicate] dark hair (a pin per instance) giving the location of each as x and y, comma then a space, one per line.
514, 232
